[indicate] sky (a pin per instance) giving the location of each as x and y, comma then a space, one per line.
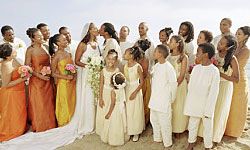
22, 14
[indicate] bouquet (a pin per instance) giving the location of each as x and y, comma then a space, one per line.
214, 61
46, 71
25, 71
94, 65
70, 69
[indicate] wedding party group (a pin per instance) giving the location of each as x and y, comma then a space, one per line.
57, 90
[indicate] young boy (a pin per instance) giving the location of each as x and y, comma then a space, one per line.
164, 86
202, 95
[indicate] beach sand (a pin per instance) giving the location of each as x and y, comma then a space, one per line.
93, 142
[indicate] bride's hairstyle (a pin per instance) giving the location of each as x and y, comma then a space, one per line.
86, 38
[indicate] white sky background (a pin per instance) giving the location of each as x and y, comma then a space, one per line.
22, 14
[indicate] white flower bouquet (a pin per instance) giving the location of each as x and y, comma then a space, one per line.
94, 65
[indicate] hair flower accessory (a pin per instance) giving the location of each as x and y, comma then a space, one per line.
119, 86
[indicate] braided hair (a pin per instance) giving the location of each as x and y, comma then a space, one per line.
231, 47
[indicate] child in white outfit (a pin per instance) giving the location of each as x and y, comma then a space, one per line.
164, 86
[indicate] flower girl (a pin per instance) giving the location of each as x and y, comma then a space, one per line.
105, 89
114, 129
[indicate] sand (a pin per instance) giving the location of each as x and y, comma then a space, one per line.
93, 142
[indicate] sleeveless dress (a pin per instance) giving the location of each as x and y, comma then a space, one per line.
101, 112
179, 120
238, 111
114, 129
66, 95
135, 107
41, 97
85, 102
13, 113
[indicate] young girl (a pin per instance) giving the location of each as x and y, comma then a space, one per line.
179, 60
164, 35
105, 89
229, 73
66, 83
114, 130
186, 30
13, 113
134, 100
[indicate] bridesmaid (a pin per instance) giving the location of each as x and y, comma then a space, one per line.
13, 114
41, 96
238, 111
66, 84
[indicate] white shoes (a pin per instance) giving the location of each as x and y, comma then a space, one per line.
135, 138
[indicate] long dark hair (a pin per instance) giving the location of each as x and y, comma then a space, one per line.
87, 36
108, 27
190, 33
231, 47
53, 41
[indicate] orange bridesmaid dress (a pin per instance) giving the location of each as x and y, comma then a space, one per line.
13, 114
41, 97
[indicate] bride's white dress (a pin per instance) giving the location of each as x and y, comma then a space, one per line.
82, 122
84, 96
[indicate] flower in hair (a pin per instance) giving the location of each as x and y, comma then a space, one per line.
119, 86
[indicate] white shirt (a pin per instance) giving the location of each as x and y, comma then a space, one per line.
203, 89
189, 50
164, 86
20, 47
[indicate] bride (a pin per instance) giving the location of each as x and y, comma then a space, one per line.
82, 122
88, 47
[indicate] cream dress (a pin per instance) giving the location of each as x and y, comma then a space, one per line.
179, 120
135, 107
101, 112
114, 129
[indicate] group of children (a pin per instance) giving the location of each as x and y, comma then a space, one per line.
121, 101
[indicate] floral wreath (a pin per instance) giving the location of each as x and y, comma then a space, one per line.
119, 86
